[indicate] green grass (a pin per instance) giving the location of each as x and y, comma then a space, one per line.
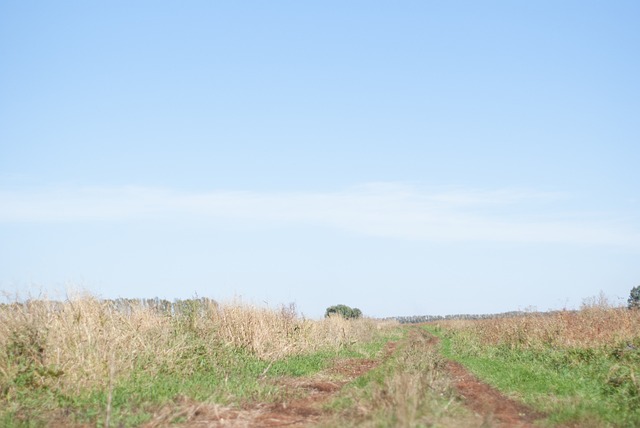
408, 389
589, 387
228, 380
205, 372
218, 374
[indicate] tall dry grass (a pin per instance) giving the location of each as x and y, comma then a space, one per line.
597, 324
85, 343
273, 334
579, 367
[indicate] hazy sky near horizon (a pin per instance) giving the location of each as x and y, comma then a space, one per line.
406, 158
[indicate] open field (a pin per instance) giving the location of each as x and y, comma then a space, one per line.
579, 368
87, 362
95, 362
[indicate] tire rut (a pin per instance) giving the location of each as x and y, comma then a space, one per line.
304, 409
491, 405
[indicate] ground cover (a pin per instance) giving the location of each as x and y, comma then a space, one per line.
90, 362
411, 388
87, 362
577, 368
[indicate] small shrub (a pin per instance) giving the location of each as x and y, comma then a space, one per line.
344, 311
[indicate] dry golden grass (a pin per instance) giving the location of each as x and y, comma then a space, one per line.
577, 367
273, 334
86, 343
596, 324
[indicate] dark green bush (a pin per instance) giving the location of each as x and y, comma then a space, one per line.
344, 311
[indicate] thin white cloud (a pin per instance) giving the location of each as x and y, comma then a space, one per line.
380, 209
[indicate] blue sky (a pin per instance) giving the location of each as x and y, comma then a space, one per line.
409, 158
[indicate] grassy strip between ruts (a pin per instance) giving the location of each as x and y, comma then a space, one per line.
409, 389
588, 385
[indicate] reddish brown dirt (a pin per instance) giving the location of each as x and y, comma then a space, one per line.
303, 409
308, 409
488, 402
308, 396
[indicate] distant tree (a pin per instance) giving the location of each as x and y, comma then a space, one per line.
634, 298
344, 311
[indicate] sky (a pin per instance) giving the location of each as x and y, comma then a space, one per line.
405, 158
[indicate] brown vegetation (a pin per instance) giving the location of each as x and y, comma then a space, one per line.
84, 343
597, 324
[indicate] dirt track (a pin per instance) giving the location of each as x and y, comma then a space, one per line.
305, 408
488, 402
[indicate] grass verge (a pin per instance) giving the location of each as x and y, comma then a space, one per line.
586, 378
